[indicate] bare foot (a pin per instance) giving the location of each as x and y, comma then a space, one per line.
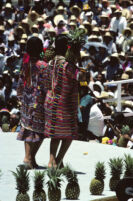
52, 164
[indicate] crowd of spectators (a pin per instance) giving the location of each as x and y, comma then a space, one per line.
106, 56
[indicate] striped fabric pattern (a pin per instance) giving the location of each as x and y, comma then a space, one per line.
62, 101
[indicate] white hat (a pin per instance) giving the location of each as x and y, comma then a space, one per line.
51, 29
83, 54
124, 76
115, 55
60, 8
2, 28
90, 13
8, 5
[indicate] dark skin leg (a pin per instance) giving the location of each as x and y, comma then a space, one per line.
34, 151
53, 150
63, 149
28, 150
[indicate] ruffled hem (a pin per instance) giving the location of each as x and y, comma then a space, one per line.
29, 136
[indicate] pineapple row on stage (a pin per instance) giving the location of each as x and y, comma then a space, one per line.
55, 177
117, 166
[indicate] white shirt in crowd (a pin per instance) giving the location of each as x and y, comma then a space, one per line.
96, 121
130, 144
118, 24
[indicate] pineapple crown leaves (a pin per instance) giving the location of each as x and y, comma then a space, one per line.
70, 174
128, 165
22, 179
100, 171
116, 166
125, 129
76, 38
39, 178
54, 175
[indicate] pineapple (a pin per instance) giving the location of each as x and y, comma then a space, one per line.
76, 40
22, 180
72, 189
39, 193
97, 184
128, 166
116, 166
54, 184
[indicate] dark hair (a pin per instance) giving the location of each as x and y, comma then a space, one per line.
61, 43
34, 47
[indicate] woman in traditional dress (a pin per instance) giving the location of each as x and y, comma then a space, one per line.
61, 103
31, 92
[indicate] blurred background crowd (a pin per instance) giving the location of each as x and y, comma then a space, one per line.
106, 56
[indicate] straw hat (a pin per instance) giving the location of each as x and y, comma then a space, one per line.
82, 27
127, 29
44, 16
35, 34
58, 18
94, 38
108, 35
8, 5
89, 13
10, 21
24, 36
104, 15
122, 54
73, 17
128, 103
33, 12
128, 70
104, 94
83, 54
22, 41
35, 26
124, 76
25, 21
75, 7
51, 29
86, 23
2, 28
60, 8
95, 29
118, 11
114, 55
72, 24
40, 19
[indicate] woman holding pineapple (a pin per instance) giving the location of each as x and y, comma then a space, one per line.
31, 92
61, 103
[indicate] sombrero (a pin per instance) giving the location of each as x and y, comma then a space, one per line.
58, 18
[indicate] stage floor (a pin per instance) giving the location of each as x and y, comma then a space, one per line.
82, 157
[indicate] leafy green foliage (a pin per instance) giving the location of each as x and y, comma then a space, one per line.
22, 179
100, 171
128, 166
125, 129
54, 175
116, 166
70, 174
39, 178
